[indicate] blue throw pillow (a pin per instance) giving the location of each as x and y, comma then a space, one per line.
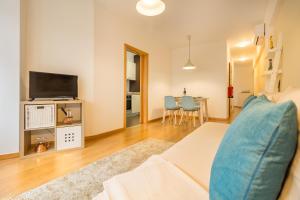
254, 155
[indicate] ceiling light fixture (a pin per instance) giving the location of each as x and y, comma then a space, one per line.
243, 59
244, 44
150, 7
189, 65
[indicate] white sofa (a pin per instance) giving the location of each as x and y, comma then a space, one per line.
191, 158
183, 171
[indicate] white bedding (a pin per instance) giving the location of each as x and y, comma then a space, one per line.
155, 179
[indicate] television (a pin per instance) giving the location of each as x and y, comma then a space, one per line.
49, 85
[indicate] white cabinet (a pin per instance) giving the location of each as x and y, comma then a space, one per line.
136, 103
131, 71
44, 121
68, 137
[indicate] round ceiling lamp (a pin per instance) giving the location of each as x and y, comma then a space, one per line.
150, 7
189, 65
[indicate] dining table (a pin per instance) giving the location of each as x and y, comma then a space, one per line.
202, 101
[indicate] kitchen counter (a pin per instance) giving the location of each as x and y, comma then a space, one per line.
133, 93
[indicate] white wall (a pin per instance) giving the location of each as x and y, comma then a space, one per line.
208, 80
287, 22
80, 37
59, 38
9, 75
111, 34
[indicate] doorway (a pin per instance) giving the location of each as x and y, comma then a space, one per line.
242, 80
136, 86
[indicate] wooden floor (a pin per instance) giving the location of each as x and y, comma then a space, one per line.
19, 175
132, 121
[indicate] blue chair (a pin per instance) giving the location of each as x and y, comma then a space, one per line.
189, 107
171, 108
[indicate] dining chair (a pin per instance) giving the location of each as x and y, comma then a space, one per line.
171, 108
190, 107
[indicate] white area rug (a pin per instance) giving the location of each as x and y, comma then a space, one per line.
87, 182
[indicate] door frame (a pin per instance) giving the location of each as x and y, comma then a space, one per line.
144, 63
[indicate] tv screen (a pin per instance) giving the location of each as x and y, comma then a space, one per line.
48, 85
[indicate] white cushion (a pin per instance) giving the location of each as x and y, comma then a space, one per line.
195, 153
291, 188
291, 94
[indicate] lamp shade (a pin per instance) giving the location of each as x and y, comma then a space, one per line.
189, 65
150, 7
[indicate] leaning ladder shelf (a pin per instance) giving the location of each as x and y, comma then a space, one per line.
272, 77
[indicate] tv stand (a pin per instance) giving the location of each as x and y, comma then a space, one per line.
63, 99
43, 121
54, 99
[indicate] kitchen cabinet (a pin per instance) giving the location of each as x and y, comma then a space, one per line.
136, 103
131, 71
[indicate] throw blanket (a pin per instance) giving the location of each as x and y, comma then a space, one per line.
156, 179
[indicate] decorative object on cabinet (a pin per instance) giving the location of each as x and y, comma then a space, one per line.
273, 70
270, 65
271, 45
260, 33
51, 126
42, 145
184, 91
68, 116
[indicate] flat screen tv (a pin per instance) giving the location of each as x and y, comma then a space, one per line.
49, 85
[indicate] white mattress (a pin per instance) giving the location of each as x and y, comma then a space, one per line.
195, 153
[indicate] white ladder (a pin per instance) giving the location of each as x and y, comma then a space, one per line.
273, 76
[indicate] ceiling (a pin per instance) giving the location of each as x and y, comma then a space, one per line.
205, 20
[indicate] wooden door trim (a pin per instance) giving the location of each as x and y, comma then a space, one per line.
144, 60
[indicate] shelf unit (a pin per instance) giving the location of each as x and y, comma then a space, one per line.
272, 77
28, 137
270, 72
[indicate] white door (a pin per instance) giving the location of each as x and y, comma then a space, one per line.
242, 82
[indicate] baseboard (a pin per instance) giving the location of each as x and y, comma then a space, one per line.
102, 135
105, 134
155, 120
9, 156
209, 119
218, 119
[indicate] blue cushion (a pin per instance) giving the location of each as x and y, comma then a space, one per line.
254, 155
248, 100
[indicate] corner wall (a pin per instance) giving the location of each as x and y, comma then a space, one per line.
9, 75
288, 22
210, 79
80, 37
111, 34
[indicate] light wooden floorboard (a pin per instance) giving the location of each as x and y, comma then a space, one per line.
21, 174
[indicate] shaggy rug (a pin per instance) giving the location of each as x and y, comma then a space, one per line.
87, 182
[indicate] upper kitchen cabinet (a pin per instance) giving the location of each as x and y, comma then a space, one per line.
131, 71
